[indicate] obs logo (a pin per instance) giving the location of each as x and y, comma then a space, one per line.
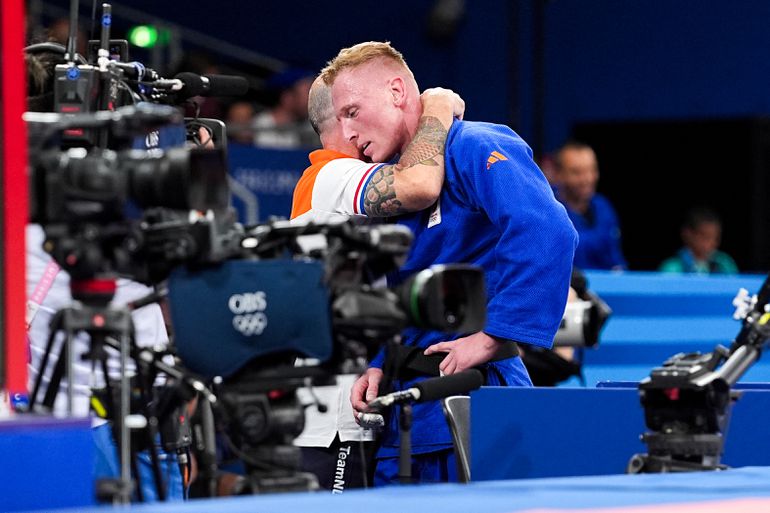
249, 312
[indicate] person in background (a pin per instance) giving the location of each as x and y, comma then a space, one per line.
239, 121
701, 234
576, 173
285, 125
201, 63
59, 31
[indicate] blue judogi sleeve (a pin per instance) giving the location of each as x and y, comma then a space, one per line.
530, 274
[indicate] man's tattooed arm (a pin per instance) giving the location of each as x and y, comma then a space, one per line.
394, 189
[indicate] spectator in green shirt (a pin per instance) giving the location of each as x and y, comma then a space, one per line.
701, 234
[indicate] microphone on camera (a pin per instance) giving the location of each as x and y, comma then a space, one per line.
136, 71
432, 389
186, 85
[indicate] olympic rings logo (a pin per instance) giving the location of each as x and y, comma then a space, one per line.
250, 324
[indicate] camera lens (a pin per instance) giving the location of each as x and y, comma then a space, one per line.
180, 179
158, 180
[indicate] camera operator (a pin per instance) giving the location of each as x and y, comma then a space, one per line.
48, 292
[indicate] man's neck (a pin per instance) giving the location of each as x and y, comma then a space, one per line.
411, 121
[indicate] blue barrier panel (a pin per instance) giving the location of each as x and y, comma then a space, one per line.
263, 181
550, 432
649, 293
653, 339
657, 315
46, 463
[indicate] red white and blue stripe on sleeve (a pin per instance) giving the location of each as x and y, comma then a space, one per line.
358, 198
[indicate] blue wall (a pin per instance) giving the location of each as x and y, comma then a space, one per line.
652, 59
476, 63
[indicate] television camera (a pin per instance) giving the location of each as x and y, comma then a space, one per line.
583, 318
85, 181
245, 303
687, 401
234, 292
246, 320
81, 198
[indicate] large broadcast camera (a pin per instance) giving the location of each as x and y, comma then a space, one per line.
245, 302
687, 401
94, 197
244, 322
81, 197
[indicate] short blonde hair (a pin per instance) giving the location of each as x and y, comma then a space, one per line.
361, 54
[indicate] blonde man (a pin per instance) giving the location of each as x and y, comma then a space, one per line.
495, 210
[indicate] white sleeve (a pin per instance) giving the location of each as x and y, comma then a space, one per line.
149, 326
340, 186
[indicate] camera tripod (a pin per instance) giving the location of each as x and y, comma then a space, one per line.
106, 327
687, 401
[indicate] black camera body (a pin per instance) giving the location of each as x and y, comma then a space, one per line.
243, 322
77, 90
248, 304
83, 197
76, 186
687, 401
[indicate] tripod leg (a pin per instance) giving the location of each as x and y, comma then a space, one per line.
56, 376
55, 326
126, 459
207, 446
135, 468
124, 409
107, 388
151, 434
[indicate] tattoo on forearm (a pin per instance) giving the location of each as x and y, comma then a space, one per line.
380, 199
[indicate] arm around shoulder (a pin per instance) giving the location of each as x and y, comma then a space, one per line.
415, 181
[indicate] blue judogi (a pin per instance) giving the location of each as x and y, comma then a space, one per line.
496, 210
